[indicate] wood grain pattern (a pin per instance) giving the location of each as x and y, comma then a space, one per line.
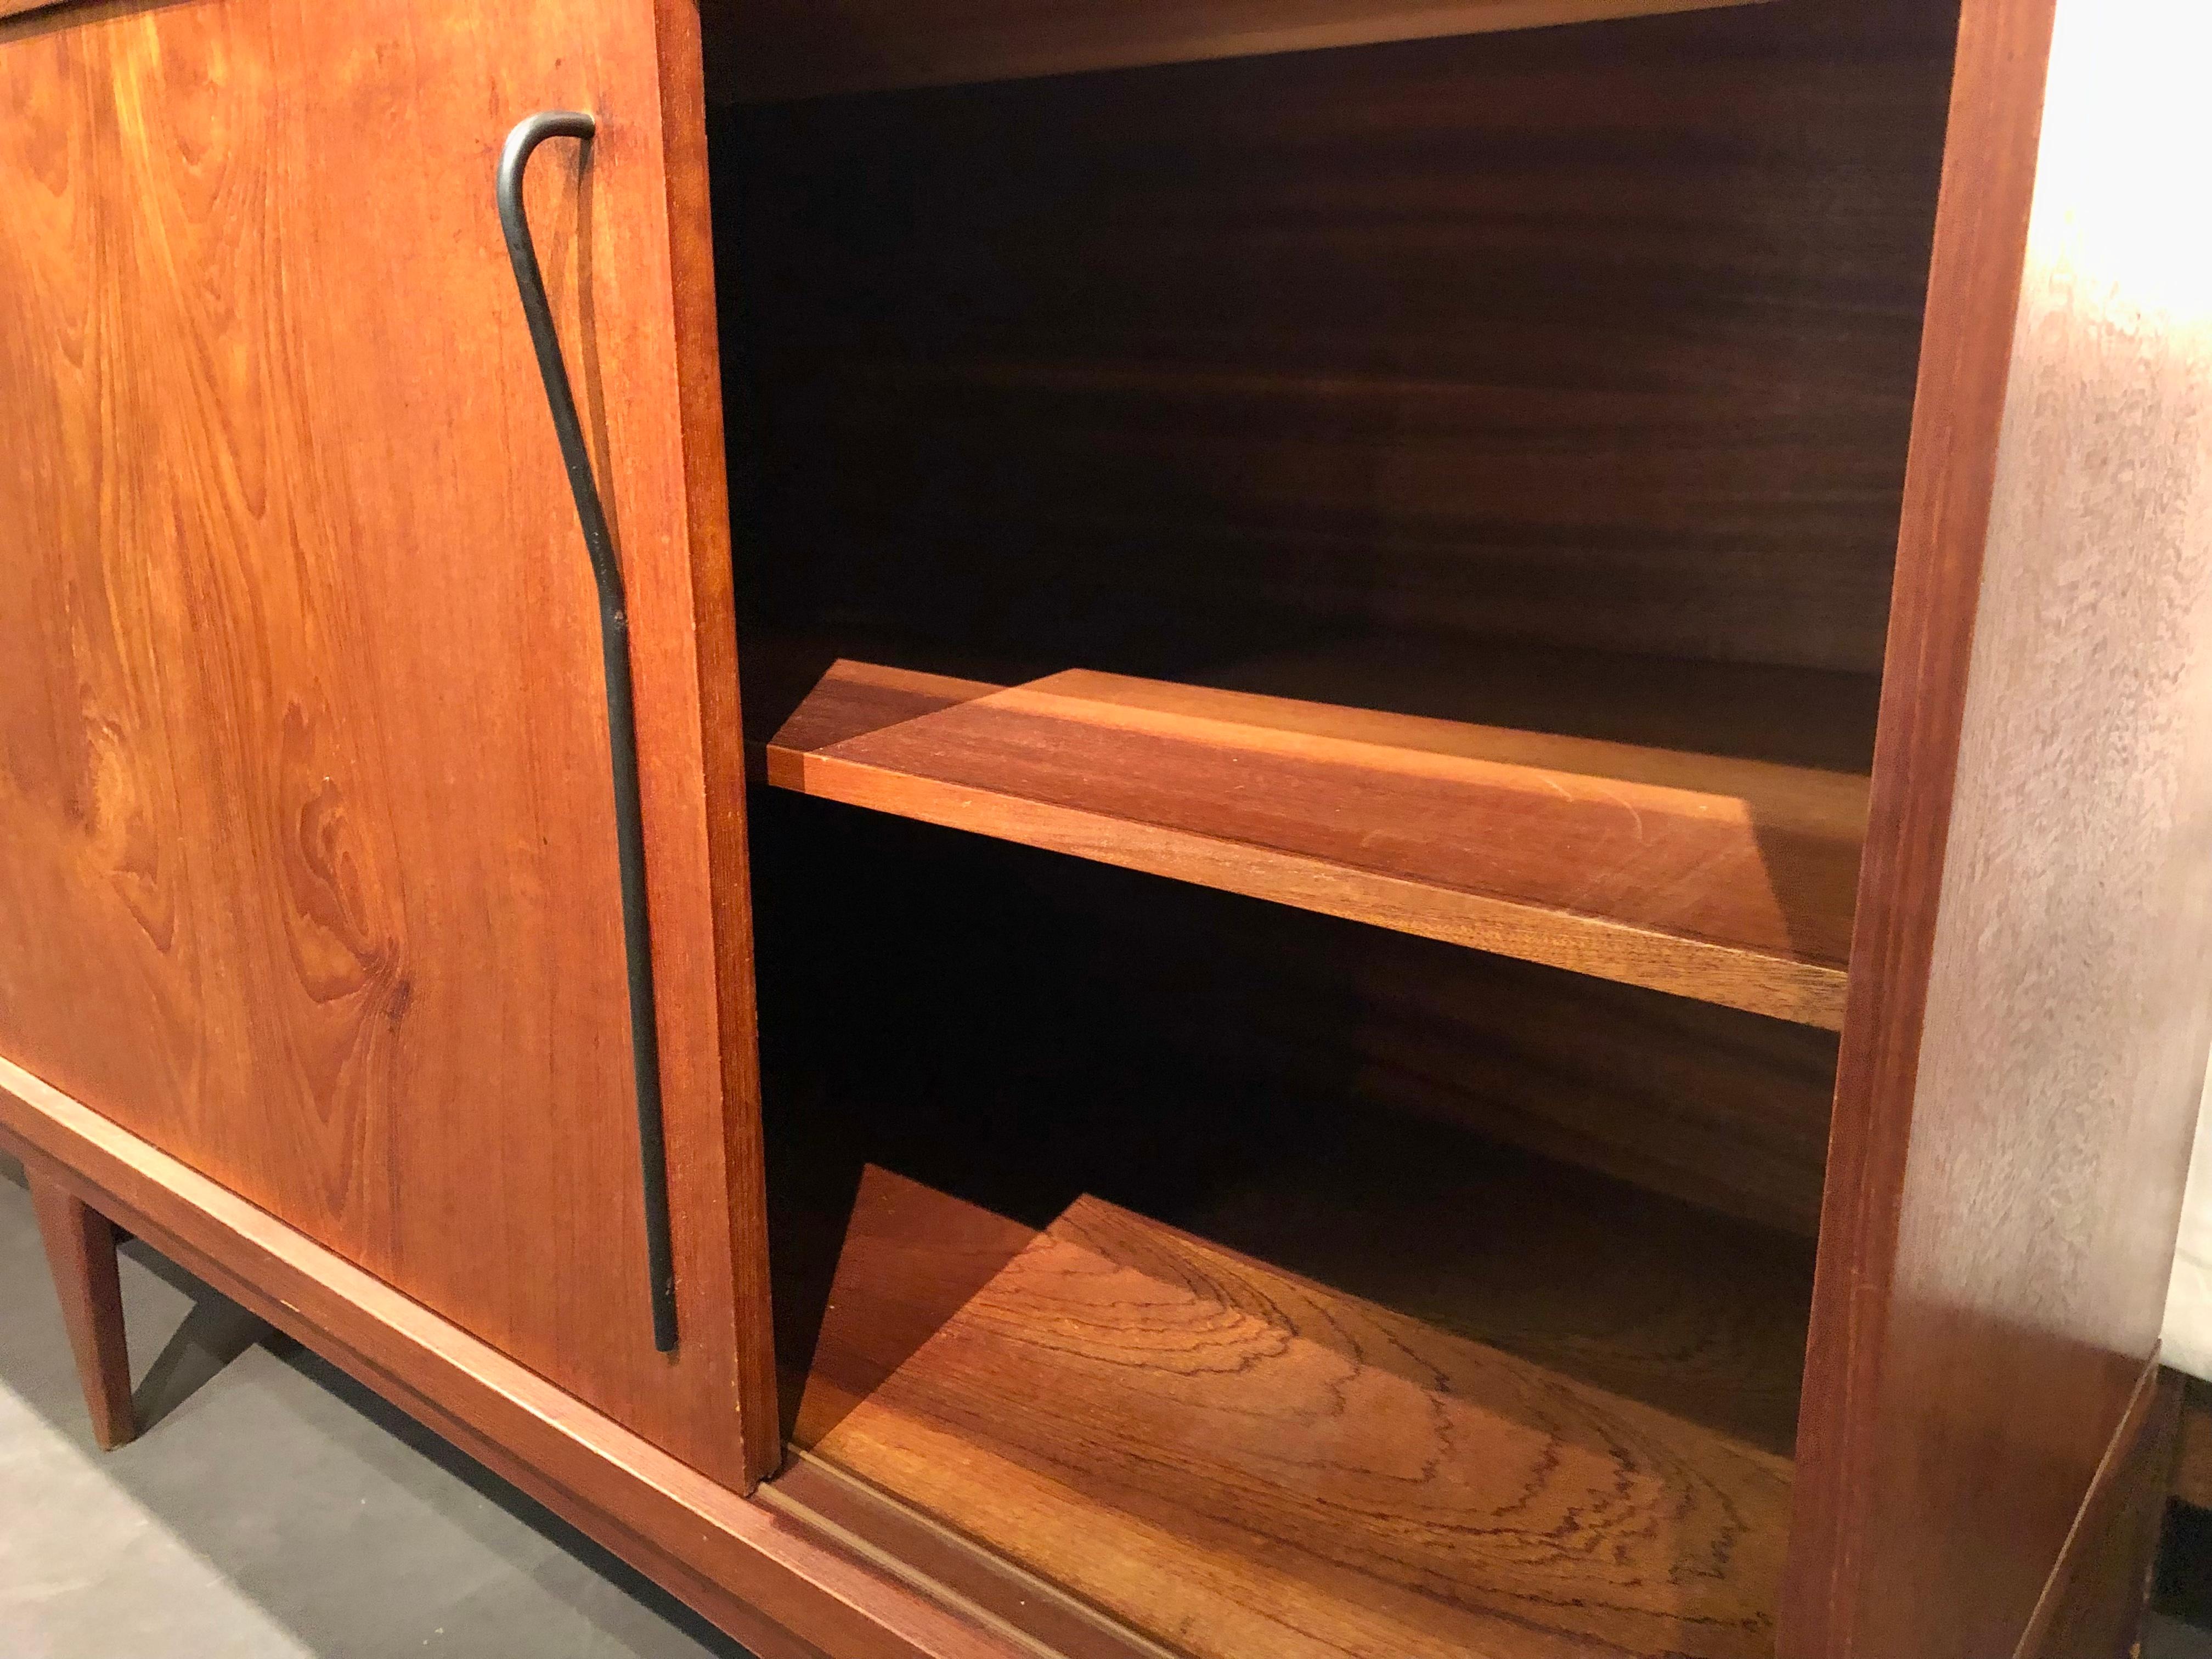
302, 755
80, 1245
783, 1589
1700, 1316
1730, 881
1619, 1289
785, 48
1599, 337
2021, 1057
1235, 1461
1812, 718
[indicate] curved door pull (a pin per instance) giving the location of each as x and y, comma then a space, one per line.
621, 718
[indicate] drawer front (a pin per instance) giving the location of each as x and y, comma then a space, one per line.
305, 784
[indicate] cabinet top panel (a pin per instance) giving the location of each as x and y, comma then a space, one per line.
779, 49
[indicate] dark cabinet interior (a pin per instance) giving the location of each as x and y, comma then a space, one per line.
1425, 512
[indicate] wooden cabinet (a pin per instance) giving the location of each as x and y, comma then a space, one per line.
1464, 833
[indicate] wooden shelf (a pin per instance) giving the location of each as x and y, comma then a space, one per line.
778, 49
1730, 881
1232, 1460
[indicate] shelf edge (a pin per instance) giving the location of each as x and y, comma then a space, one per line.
1805, 992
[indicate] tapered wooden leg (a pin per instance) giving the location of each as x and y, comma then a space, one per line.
81, 1254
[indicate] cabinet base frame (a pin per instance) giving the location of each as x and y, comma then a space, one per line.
757, 1570
781, 1590
80, 1246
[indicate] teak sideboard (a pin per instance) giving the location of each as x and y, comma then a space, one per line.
1236, 829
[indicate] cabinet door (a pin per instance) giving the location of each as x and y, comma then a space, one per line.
309, 873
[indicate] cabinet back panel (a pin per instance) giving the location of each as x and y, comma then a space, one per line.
1599, 337
1726, 1109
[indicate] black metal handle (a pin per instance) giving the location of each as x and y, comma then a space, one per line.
622, 715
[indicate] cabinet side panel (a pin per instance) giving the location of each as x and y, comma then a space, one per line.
2024, 1046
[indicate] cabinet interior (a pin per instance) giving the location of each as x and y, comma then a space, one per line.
1311, 627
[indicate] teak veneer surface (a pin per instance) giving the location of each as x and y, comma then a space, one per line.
1819, 719
794, 49
1731, 881
1623, 1290
310, 873
1235, 1461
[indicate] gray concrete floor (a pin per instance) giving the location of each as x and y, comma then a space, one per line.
273, 1510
